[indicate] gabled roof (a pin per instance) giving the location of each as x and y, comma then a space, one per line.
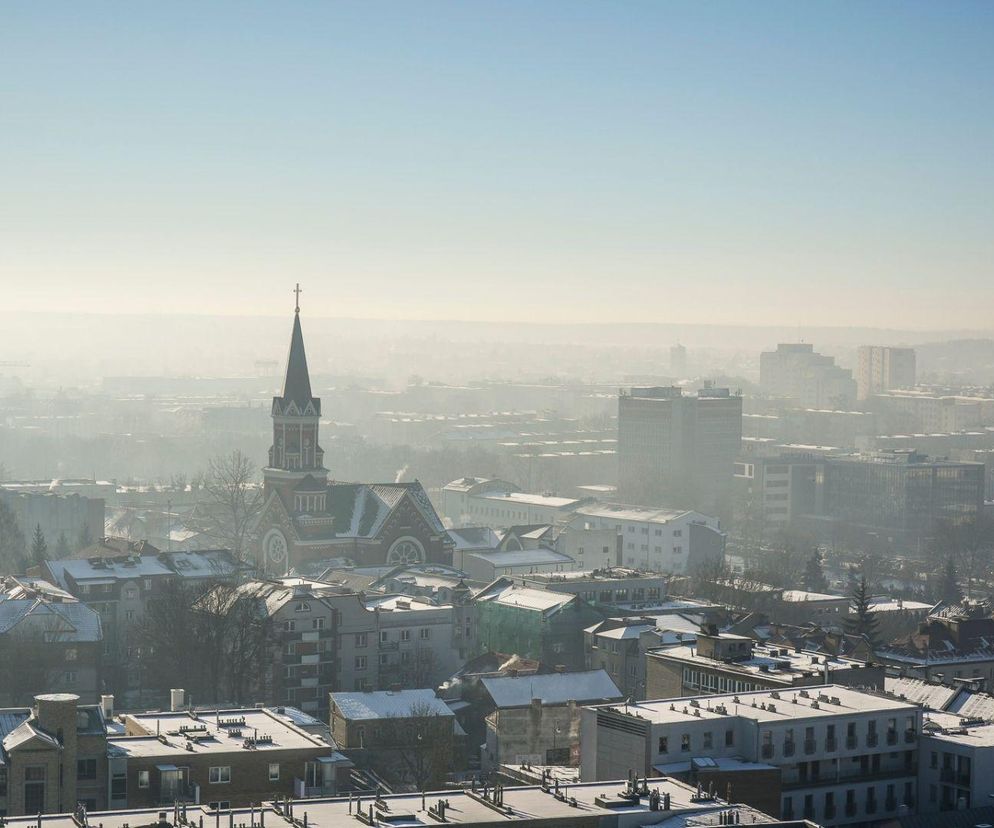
503, 591
65, 622
25, 733
551, 688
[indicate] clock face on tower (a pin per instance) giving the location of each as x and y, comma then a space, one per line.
274, 548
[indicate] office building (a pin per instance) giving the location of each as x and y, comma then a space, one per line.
880, 368
843, 755
798, 373
678, 450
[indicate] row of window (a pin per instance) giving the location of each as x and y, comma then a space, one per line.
362, 662
677, 550
677, 533
362, 639
871, 804
217, 775
707, 743
316, 624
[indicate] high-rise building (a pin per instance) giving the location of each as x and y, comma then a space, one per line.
678, 361
880, 368
678, 450
813, 380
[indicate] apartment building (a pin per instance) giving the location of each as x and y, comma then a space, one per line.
796, 371
844, 756
222, 758
480, 501
718, 662
674, 541
882, 368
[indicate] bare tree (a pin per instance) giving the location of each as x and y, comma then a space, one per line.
420, 746
39, 658
12, 543
231, 504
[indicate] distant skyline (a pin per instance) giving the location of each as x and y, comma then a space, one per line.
767, 163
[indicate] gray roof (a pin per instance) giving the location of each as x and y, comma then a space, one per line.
522, 557
387, 704
552, 688
73, 621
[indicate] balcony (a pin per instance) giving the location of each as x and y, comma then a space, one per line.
831, 744
389, 645
788, 748
809, 812
891, 737
947, 775
183, 792
909, 736
810, 746
851, 742
871, 739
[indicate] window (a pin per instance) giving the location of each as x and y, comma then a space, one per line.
131, 593
707, 740
223, 805
70, 677
70, 654
147, 584
678, 533
129, 615
664, 745
405, 635
729, 738
384, 636
677, 550
302, 606
360, 662
317, 623
685, 742
291, 648
219, 775
142, 779
290, 626
360, 640
119, 786
86, 769
274, 772
384, 658
425, 633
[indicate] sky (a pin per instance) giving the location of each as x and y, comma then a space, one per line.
724, 162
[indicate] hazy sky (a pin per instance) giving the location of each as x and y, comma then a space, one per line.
741, 162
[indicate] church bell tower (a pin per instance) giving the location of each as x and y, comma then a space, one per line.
296, 461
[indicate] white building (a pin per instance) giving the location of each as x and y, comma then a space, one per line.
844, 756
659, 540
476, 501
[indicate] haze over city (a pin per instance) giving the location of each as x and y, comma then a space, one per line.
554, 415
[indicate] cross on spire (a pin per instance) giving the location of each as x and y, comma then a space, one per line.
297, 291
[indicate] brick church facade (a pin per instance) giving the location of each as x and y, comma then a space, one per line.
306, 518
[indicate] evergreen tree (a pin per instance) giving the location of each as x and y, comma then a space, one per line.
814, 575
11, 542
949, 587
39, 548
862, 621
62, 549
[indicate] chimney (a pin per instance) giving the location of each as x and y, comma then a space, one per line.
176, 699
107, 706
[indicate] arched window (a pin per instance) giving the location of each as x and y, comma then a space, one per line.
405, 551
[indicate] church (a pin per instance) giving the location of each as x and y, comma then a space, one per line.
306, 518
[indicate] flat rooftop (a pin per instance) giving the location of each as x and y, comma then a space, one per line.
762, 705
221, 731
766, 660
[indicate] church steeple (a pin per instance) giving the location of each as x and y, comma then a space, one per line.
296, 414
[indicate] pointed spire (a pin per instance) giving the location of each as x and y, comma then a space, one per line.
297, 383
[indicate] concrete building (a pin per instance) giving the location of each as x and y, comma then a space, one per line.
224, 758
881, 368
118, 588
674, 541
478, 501
901, 497
678, 361
536, 719
52, 756
676, 449
844, 756
533, 623
777, 490
724, 662
796, 371
57, 641
611, 590
408, 737
616, 804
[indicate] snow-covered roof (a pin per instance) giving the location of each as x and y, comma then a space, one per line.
68, 621
551, 688
388, 704
522, 557
513, 595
